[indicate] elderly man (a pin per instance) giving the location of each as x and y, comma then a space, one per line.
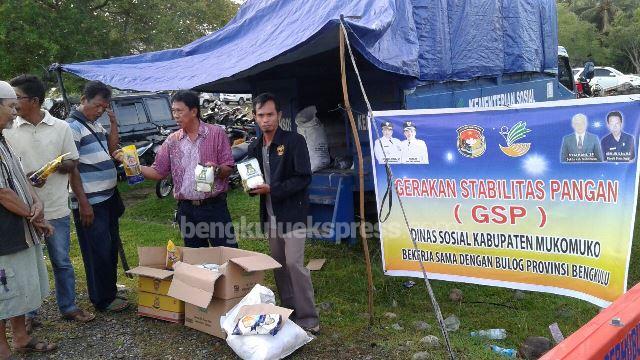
203, 216
37, 138
95, 201
581, 146
23, 275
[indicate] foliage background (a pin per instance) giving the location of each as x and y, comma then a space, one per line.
37, 33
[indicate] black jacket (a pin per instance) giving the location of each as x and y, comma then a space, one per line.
290, 176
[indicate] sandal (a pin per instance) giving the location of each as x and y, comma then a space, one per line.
79, 315
313, 330
31, 323
36, 346
117, 305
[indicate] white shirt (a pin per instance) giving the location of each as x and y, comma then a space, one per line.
578, 136
391, 150
36, 146
414, 152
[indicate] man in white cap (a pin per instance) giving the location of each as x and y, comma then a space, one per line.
387, 147
23, 274
37, 138
414, 151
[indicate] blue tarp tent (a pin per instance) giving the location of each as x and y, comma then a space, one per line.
428, 40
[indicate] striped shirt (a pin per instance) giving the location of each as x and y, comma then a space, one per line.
97, 170
12, 177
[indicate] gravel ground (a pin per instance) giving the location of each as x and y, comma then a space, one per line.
123, 336
128, 336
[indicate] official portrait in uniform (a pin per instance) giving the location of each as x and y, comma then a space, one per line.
387, 146
414, 151
617, 146
580, 146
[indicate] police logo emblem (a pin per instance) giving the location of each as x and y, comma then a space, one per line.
471, 141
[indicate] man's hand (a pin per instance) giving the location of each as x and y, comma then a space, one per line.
216, 169
263, 189
37, 212
38, 184
118, 155
66, 166
112, 117
44, 228
86, 214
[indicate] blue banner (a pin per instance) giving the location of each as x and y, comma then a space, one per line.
537, 196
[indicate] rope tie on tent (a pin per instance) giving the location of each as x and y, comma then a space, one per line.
434, 301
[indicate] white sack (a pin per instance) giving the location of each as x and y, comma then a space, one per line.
263, 347
313, 132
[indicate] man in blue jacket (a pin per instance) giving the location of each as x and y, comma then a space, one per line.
284, 205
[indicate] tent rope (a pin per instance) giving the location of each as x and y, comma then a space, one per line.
434, 301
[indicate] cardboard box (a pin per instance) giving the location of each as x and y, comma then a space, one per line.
240, 270
207, 319
151, 263
160, 307
173, 317
160, 302
262, 309
153, 286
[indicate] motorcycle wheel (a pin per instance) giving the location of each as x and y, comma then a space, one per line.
235, 182
164, 187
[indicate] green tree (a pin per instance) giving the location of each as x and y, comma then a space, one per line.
624, 40
36, 33
581, 38
602, 13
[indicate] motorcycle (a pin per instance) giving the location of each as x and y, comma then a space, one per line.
164, 187
240, 153
147, 151
221, 114
584, 89
240, 136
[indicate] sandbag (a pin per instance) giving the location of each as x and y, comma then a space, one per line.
313, 131
263, 347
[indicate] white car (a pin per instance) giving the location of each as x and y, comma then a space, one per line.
207, 99
608, 77
237, 98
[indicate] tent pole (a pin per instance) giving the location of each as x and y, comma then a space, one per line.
356, 139
63, 91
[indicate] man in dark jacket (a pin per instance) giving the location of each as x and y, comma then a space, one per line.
284, 205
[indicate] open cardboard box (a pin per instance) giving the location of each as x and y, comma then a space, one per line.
153, 286
263, 309
207, 319
151, 263
240, 270
210, 294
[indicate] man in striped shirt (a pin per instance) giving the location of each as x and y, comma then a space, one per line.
95, 203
